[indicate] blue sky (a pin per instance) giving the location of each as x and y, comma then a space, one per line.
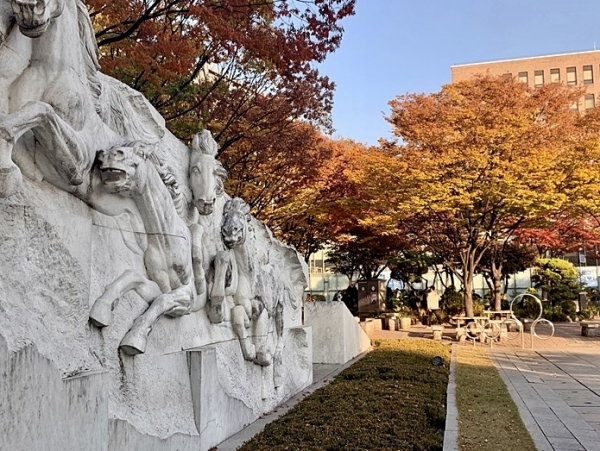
392, 47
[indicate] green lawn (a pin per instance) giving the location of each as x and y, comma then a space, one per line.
392, 399
488, 417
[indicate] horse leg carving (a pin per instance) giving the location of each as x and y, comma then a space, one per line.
198, 266
101, 311
224, 284
277, 356
241, 322
11, 179
176, 303
65, 149
261, 330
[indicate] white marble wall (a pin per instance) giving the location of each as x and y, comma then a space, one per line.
337, 336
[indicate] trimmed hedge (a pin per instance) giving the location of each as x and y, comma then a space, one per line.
392, 399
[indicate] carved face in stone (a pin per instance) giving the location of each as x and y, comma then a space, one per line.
234, 227
207, 174
34, 16
123, 169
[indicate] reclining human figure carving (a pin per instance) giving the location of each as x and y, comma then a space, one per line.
173, 252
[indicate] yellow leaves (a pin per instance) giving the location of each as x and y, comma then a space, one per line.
486, 142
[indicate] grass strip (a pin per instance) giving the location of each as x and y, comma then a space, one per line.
392, 399
488, 418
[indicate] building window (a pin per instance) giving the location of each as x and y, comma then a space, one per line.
571, 76
590, 102
588, 75
538, 78
554, 75
507, 76
523, 77
574, 106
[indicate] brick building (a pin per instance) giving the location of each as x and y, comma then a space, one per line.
580, 68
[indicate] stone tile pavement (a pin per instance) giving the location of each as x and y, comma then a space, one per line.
557, 391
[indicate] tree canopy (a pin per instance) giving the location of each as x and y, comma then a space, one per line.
480, 159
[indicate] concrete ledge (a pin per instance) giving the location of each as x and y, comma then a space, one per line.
451, 430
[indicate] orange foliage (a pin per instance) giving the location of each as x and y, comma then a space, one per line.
481, 159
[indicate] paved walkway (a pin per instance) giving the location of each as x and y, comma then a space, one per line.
556, 387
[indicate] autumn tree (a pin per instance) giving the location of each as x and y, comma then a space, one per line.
410, 266
514, 257
363, 253
356, 248
243, 69
560, 233
479, 160
298, 198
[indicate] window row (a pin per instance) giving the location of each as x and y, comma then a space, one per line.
555, 76
589, 101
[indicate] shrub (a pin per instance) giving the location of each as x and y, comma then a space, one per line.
452, 302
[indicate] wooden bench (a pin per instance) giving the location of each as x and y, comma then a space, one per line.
589, 328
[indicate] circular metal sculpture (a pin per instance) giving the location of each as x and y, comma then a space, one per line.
537, 321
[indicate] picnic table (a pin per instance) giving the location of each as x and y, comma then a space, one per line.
463, 328
498, 314
460, 320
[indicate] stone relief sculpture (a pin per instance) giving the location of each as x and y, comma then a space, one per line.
56, 92
98, 199
49, 96
133, 170
235, 272
207, 174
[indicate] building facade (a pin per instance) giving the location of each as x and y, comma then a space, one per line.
578, 69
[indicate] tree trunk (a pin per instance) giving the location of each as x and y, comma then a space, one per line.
468, 263
468, 286
497, 280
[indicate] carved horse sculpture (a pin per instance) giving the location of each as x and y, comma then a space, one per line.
207, 174
15, 57
51, 97
173, 255
55, 91
235, 271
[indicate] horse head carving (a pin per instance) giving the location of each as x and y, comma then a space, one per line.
207, 174
123, 169
234, 226
34, 16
